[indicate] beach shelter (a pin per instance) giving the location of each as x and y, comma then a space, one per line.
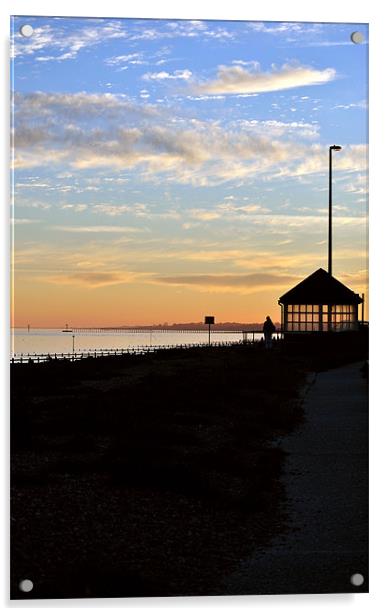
320, 303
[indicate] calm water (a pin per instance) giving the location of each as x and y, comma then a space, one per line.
44, 341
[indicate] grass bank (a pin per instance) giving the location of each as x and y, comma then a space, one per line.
145, 476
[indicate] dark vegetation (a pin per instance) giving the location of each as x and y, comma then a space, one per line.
149, 475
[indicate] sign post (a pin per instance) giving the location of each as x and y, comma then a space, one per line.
209, 321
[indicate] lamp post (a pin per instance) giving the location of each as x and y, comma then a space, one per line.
336, 148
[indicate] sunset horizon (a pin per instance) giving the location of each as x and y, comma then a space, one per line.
181, 168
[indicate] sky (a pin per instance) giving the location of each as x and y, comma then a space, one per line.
167, 169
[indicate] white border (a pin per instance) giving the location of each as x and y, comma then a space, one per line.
280, 10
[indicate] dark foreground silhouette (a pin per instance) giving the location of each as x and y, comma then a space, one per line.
150, 476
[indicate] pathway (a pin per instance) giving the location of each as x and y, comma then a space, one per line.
326, 483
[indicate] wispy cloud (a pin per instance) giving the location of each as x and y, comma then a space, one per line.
204, 215
137, 209
90, 279
130, 58
352, 158
358, 185
304, 34
227, 211
236, 79
23, 221
58, 44
249, 208
280, 28
358, 279
75, 207
162, 75
140, 58
142, 31
359, 105
328, 43
96, 229
278, 128
61, 42
29, 107
247, 283
56, 130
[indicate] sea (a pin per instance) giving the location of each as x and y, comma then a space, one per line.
51, 341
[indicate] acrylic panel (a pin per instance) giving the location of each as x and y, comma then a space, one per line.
173, 183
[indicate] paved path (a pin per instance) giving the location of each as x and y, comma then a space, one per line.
326, 483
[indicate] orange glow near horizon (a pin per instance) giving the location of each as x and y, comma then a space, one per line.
140, 304
130, 281
114, 307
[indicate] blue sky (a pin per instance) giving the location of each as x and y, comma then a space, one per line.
182, 166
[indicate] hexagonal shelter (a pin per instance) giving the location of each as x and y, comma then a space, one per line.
320, 303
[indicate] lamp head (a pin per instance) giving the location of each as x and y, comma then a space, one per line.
337, 148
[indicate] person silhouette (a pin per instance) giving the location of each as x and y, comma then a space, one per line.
268, 330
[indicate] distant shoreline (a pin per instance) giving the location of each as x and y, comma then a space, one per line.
228, 326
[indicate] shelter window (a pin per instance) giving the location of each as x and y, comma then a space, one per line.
304, 317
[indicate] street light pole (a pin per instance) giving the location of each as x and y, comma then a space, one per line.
337, 148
